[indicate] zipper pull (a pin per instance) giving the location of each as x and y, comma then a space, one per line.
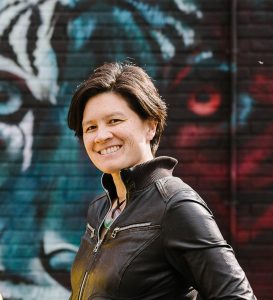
97, 246
92, 231
114, 233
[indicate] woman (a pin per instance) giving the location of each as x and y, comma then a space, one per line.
149, 236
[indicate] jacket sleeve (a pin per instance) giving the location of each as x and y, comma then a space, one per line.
195, 247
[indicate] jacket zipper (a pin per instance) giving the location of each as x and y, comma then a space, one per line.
113, 235
99, 241
96, 248
82, 285
118, 229
97, 244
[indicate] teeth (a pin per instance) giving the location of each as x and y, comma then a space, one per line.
110, 150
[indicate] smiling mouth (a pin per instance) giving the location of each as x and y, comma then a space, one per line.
109, 150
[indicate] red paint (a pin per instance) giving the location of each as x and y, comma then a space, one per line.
181, 75
205, 108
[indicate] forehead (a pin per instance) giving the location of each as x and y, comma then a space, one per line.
107, 97
105, 105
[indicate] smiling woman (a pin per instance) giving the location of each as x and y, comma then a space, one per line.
150, 235
117, 140
118, 79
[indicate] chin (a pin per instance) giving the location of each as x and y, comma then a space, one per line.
115, 168
110, 169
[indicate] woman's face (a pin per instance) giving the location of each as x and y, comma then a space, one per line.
114, 136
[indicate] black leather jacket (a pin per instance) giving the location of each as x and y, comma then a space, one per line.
164, 245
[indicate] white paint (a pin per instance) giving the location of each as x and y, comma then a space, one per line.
26, 126
44, 85
18, 40
188, 7
158, 19
167, 48
8, 14
35, 85
53, 242
197, 58
45, 59
13, 139
184, 31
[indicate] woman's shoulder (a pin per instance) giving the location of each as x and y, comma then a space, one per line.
96, 207
175, 190
188, 218
184, 201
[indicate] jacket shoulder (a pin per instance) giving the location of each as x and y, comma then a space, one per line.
97, 198
170, 186
175, 189
96, 202
96, 207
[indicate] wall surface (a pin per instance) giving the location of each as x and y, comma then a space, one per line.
220, 123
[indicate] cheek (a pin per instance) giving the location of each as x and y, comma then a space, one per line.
136, 139
139, 133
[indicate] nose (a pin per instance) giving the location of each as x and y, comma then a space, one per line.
103, 134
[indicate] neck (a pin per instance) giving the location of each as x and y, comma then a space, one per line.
120, 187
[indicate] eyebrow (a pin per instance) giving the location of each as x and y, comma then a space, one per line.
112, 114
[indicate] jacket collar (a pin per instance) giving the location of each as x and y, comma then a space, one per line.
141, 176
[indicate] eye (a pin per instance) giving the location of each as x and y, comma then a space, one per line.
90, 128
205, 101
114, 121
10, 99
202, 99
15, 98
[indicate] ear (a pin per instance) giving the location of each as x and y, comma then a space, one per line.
151, 128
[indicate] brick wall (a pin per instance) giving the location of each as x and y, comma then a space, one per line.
48, 47
254, 140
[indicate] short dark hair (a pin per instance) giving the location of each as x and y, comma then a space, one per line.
127, 80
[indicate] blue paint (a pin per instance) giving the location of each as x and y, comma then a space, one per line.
125, 21
245, 107
224, 67
80, 30
165, 44
200, 57
69, 3
12, 98
152, 15
159, 20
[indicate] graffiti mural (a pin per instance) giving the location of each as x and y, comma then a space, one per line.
47, 47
